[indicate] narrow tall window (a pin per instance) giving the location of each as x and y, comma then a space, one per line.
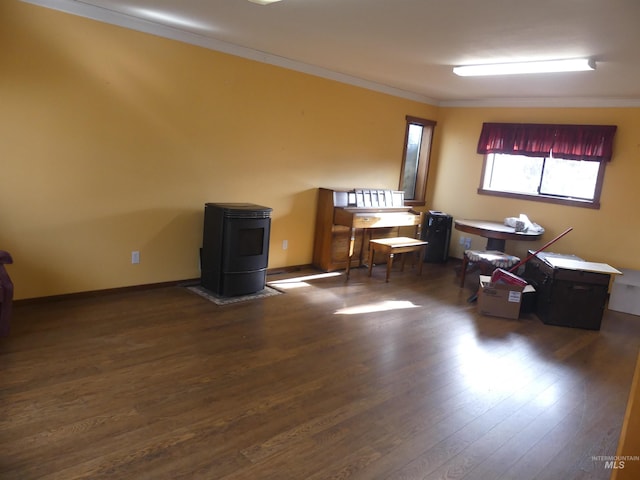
415, 159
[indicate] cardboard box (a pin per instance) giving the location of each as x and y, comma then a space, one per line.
625, 292
500, 299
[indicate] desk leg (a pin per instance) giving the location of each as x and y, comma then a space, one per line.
352, 243
371, 255
362, 246
421, 255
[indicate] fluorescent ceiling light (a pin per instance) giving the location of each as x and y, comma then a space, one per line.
263, 2
572, 65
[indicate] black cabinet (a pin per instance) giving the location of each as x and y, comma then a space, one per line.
567, 297
436, 230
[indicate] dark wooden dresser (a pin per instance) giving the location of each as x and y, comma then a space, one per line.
570, 292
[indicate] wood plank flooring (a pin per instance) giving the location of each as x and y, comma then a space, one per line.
330, 380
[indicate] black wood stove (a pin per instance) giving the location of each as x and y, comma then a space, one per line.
235, 248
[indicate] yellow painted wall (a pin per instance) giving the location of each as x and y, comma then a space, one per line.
112, 140
608, 235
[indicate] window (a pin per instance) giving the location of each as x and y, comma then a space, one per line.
551, 163
548, 179
415, 159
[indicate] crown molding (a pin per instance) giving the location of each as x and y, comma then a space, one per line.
565, 102
78, 8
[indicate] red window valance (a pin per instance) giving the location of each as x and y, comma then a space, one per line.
573, 142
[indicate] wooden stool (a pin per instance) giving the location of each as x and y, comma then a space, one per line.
391, 246
487, 261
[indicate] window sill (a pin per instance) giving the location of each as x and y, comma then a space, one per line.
543, 199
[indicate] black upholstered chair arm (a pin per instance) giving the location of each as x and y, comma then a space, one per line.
5, 257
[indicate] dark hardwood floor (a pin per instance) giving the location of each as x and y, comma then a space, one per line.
330, 380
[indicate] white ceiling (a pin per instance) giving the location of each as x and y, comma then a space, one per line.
409, 47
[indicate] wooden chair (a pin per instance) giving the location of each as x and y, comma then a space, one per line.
485, 260
392, 246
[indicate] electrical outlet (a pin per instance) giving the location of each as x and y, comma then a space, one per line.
135, 257
467, 243
462, 240
285, 244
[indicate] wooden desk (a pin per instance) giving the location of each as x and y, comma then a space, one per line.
496, 233
343, 228
358, 218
